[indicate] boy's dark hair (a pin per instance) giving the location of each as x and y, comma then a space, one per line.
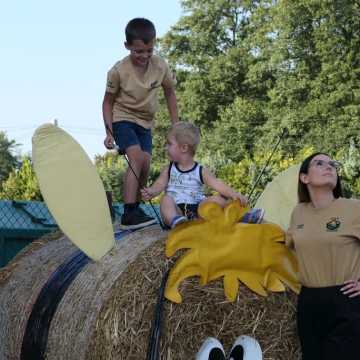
303, 192
140, 29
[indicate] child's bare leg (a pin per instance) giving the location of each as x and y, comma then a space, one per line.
168, 209
131, 182
217, 199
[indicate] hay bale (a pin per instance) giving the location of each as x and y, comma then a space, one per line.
106, 312
123, 326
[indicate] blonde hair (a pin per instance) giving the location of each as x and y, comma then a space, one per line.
186, 133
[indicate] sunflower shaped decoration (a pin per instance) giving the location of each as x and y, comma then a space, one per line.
220, 246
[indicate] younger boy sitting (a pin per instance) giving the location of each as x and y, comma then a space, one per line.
183, 180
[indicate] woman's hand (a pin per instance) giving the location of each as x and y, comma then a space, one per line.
351, 288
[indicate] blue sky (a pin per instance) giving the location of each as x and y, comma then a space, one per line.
54, 60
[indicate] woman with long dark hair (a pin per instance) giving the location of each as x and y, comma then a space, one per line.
325, 235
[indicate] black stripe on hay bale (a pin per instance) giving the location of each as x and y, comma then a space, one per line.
36, 333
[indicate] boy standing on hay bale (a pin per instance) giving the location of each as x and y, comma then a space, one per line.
129, 106
183, 180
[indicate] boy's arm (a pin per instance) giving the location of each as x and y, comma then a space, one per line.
219, 186
170, 96
107, 108
158, 186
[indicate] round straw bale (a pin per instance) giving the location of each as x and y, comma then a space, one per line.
123, 326
107, 311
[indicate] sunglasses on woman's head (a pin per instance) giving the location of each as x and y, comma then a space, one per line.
323, 163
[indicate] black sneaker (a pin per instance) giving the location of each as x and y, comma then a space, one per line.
245, 347
141, 211
136, 219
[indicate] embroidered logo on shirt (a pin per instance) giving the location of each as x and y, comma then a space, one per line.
110, 85
153, 85
333, 224
300, 226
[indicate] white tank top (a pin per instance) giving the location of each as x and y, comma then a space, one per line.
185, 187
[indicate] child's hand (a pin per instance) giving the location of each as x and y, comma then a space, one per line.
147, 193
243, 199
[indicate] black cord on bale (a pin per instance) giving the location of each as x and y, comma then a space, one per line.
155, 334
37, 328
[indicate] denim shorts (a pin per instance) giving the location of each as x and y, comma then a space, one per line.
127, 133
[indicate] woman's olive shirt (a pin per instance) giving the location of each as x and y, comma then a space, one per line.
326, 242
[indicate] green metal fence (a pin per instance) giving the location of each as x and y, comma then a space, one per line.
21, 222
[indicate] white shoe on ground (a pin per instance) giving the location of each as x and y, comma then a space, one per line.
211, 349
245, 348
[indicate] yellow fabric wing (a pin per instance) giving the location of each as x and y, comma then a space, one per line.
72, 190
280, 197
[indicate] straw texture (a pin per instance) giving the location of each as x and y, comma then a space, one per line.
107, 311
123, 326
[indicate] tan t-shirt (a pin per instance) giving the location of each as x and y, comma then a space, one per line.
137, 95
326, 242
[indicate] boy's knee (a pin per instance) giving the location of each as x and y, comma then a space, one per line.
146, 162
167, 200
164, 199
216, 199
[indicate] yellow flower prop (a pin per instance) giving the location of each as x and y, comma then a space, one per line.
220, 246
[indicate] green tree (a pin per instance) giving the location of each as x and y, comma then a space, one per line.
247, 69
245, 174
208, 29
21, 183
111, 168
8, 161
350, 171
315, 50
236, 131
206, 47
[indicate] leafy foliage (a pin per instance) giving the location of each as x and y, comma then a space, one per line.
21, 183
246, 70
8, 161
111, 169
